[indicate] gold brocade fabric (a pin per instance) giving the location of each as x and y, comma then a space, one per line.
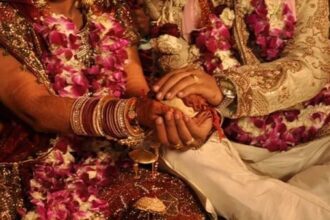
123, 14
10, 192
298, 76
301, 72
19, 39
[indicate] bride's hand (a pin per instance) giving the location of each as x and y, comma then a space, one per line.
148, 110
184, 82
182, 133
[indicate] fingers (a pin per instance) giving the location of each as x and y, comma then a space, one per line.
188, 81
193, 89
193, 127
201, 126
182, 129
160, 83
161, 131
158, 108
171, 82
180, 132
172, 133
148, 110
201, 117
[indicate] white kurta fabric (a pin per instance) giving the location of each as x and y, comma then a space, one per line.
243, 182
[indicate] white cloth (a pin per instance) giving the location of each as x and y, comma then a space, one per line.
242, 182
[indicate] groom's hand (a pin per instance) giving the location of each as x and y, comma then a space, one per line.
187, 81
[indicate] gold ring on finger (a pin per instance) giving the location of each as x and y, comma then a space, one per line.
197, 144
190, 142
195, 77
177, 146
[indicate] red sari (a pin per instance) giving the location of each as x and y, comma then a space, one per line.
21, 148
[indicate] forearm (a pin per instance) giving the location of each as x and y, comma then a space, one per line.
41, 110
53, 115
268, 88
136, 84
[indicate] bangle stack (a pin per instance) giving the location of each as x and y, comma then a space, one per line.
106, 117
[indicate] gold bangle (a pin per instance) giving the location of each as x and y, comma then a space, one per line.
129, 111
98, 116
76, 116
121, 118
191, 142
135, 134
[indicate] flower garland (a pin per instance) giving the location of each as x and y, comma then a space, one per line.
215, 44
270, 27
285, 129
70, 76
63, 186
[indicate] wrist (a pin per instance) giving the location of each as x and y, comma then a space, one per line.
228, 93
217, 98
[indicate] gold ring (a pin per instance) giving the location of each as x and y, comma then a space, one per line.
190, 142
177, 146
196, 78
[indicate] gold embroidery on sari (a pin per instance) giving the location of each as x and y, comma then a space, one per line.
10, 192
123, 14
14, 34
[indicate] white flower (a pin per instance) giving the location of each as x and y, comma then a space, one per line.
104, 20
304, 119
246, 6
37, 196
227, 16
275, 14
168, 44
34, 184
56, 156
216, 2
194, 54
31, 216
226, 58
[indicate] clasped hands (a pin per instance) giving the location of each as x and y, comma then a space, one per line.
173, 128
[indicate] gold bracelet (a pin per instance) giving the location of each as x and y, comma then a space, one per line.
136, 134
98, 117
76, 116
118, 119
130, 113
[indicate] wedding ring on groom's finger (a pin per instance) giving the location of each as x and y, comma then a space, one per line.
195, 77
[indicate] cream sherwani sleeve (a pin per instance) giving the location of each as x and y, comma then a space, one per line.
298, 76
